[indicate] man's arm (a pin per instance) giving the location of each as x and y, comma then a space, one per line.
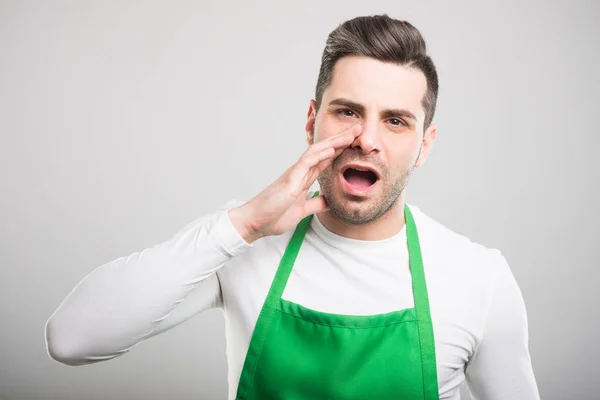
500, 368
126, 301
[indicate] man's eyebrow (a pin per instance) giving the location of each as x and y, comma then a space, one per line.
347, 103
387, 113
392, 113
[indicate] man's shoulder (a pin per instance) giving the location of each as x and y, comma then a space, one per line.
446, 245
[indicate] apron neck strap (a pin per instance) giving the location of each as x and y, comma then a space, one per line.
419, 285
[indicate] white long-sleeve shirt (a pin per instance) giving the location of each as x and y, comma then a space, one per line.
478, 313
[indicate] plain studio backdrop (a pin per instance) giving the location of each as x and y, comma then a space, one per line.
123, 121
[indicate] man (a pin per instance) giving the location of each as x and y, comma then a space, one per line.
348, 292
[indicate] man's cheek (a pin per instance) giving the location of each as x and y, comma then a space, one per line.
330, 125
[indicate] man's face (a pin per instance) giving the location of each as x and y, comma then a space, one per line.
386, 99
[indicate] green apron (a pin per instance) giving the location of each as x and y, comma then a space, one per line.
301, 354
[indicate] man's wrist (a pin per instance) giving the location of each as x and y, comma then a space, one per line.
240, 219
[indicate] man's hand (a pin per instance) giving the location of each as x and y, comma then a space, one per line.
283, 204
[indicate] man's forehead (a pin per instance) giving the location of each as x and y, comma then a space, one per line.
373, 83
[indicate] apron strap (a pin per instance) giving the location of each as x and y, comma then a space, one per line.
421, 299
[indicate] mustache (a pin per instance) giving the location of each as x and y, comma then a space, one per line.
351, 155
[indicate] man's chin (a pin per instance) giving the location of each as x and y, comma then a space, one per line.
350, 209
351, 217
343, 197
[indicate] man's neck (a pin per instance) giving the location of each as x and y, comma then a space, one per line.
388, 225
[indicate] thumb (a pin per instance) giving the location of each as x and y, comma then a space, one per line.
315, 205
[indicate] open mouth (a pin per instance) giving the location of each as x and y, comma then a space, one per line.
360, 177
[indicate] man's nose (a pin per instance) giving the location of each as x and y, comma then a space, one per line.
368, 140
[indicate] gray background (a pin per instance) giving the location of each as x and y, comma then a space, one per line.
123, 121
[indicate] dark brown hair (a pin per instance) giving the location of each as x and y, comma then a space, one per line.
384, 39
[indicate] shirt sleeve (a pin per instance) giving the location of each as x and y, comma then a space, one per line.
126, 301
500, 368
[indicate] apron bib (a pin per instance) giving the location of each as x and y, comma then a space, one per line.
299, 354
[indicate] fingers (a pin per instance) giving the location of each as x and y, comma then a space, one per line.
340, 140
299, 172
349, 134
354, 131
319, 156
315, 158
320, 167
315, 205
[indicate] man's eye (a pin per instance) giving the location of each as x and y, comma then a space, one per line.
346, 112
397, 122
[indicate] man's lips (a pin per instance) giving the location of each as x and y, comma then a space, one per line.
361, 185
361, 167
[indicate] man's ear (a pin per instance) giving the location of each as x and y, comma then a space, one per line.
427, 145
310, 122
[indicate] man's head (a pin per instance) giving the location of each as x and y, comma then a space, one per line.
374, 72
